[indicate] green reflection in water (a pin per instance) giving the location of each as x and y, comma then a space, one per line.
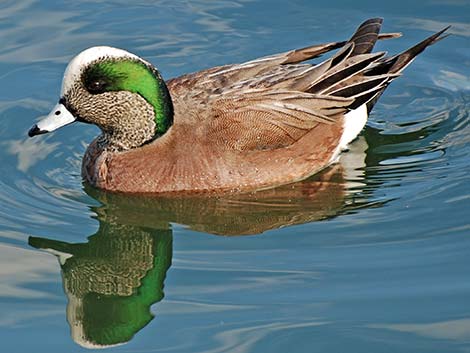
112, 280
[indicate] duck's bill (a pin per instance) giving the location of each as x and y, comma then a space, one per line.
58, 117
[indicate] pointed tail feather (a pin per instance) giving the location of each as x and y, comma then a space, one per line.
396, 64
315, 51
366, 36
405, 58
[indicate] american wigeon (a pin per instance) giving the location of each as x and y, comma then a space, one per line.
241, 127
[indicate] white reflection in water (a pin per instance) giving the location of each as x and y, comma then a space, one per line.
56, 34
19, 267
459, 28
452, 329
241, 340
30, 152
178, 307
452, 80
13, 316
10, 7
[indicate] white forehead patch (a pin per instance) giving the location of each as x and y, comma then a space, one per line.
80, 62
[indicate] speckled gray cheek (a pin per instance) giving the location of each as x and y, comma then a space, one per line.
125, 118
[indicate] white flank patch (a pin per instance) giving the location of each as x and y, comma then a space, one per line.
354, 122
80, 62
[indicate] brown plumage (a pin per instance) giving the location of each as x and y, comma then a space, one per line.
256, 125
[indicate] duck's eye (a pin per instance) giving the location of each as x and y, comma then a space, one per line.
96, 86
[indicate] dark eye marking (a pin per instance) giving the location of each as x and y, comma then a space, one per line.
96, 86
96, 79
106, 75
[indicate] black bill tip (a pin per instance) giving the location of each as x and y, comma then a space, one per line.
35, 130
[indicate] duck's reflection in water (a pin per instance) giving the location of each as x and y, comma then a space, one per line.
112, 280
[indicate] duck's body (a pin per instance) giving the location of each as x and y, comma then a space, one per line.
203, 166
244, 127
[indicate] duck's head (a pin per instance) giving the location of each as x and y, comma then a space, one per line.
122, 94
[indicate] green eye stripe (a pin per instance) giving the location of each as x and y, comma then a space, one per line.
136, 77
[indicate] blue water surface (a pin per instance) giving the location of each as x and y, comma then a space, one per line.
372, 255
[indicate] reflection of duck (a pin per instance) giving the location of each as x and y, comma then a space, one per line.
112, 280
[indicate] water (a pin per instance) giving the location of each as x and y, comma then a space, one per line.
369, 256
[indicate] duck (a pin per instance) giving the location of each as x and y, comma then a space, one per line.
243, 127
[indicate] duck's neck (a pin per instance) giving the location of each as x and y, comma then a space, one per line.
127, 138
138, 127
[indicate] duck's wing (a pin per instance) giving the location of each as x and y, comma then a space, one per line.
213, 80
272, 102
281, 104
265, 119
